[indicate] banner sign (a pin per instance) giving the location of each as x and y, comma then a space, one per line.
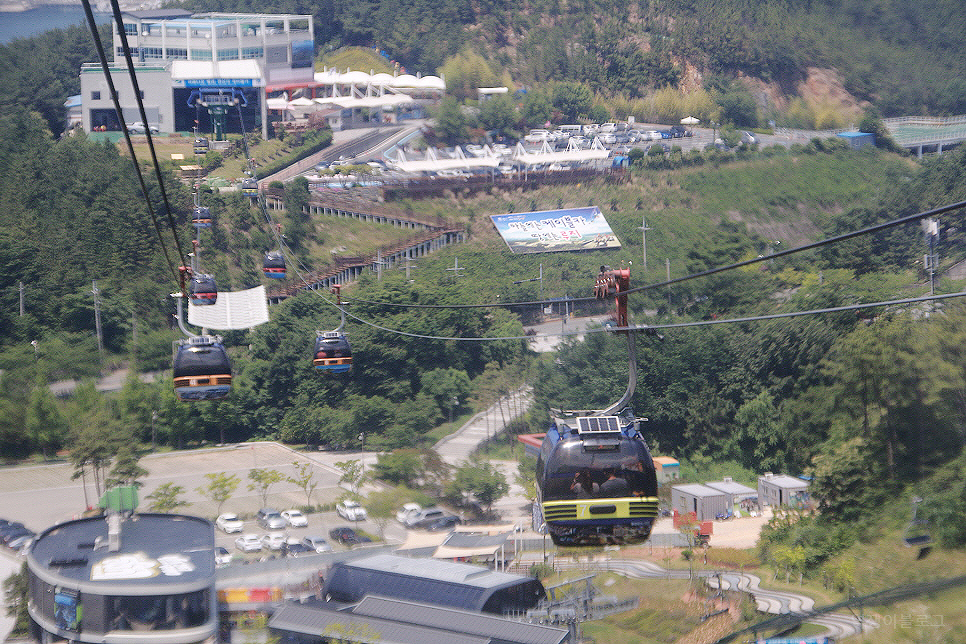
549, 231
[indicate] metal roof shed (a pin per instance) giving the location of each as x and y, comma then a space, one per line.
705, 502
300, 624
781, 489
735, 491
435, 581
498, 629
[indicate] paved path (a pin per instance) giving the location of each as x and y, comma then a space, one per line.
768, 601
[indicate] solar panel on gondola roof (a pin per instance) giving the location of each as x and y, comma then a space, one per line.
591, 425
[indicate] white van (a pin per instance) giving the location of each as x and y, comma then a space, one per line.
606, 128
572, 130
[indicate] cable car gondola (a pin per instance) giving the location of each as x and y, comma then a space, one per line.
201, 145
596, 482
332, 352
249, 187
274, 264
201, 217
203, 290
202, 370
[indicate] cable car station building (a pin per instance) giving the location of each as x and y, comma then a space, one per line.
205, 67
124, 578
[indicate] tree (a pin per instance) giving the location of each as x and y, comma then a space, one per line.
381, 508
304, 479
126, 470
262, 480
166, 498
401, 466
536, 107
16, 590
45, 425
482, 480
220, 487
354, 475
450, 121
572, 100
498, 113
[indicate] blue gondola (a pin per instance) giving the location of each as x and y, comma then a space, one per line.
332, 352
202, 370
201, 217
596, 482
274, 264
203, 290
249, 187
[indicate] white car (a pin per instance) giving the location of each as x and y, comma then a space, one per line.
295, 518
408, 510
537, 136
249, 543
351, 511
222, 557
652, 135
229, 523
274, 540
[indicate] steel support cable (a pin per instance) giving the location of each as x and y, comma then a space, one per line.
275, 228
711, 271
127, 136
119, 22
678, 325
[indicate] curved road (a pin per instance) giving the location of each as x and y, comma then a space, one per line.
774, 602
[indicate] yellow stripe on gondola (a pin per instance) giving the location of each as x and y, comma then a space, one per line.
634, 507
325, 362
202, 381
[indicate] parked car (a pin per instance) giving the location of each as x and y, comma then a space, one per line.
422, 516
444, 523
317, 544
222, 556
295, 518
347, 536
18, 540
351, 511
294, 548
138, 128
679, 131
652, 135
537, 136
229, 523
274, 540
607, 138
270, 519
407, 510
249, 543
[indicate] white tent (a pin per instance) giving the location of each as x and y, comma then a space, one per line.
690, 120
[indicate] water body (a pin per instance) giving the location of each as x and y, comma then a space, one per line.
24, 24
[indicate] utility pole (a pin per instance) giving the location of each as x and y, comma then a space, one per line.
931, 229
456, 268
21, 300
667, 265
97, 320
643, 228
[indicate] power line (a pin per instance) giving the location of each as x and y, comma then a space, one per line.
127, 137
676, 325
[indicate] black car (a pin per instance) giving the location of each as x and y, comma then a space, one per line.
296, 549
347, 536
444, 523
